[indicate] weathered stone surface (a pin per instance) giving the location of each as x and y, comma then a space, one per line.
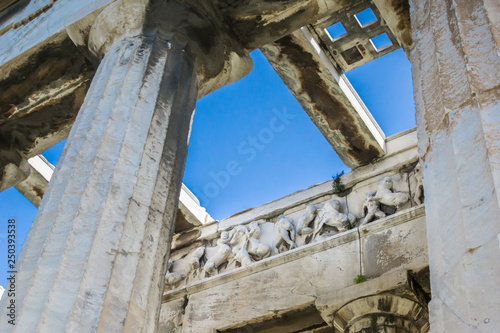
34, 186
44, 78
39, 100
306, 320
287, 225
456, 84
274, 291
355, 47
94, 259
61, 294
294, 279
386, 304
34, 33
327, 97
14, 168
454, 61
171, 316
396, 14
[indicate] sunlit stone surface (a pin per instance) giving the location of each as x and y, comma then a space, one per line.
410, 239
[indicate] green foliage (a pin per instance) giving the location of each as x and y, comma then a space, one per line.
337, 182
360, 279
348, 225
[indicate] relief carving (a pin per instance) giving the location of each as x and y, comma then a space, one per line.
384, 196
303, 226
172, 279
223, 252
255, 248
242, 243
194, 261
330, 215
417, 185
241, 255
286, 233
371, 208
245, 244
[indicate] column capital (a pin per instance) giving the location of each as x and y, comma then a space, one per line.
392, 302
219, 57
386, 312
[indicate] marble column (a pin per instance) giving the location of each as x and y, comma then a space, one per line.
95, 257
456, 77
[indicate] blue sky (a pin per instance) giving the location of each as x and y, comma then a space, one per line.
297, 156
251, 141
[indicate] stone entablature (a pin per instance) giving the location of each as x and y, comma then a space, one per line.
282, 225
273, 262
373, 265
294, 280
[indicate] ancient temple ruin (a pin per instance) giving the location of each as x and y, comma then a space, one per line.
408, 241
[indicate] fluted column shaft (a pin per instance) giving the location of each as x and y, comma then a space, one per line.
94, 259
456, 78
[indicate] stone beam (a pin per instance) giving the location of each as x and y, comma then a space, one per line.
259, 22
327, 97
4, 4
190, 213
396, 14
255, 22
34, 186
39, 99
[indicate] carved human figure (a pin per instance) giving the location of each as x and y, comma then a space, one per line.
306, 219
371, 208
286, 233
385, 194
255, 248
221, 256
248, 239
254, 230
194, 261
241, 255
172, 279
238, 235
419, 185
331, 215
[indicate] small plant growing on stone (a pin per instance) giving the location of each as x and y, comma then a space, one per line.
337, 182
347, 225
360, 279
